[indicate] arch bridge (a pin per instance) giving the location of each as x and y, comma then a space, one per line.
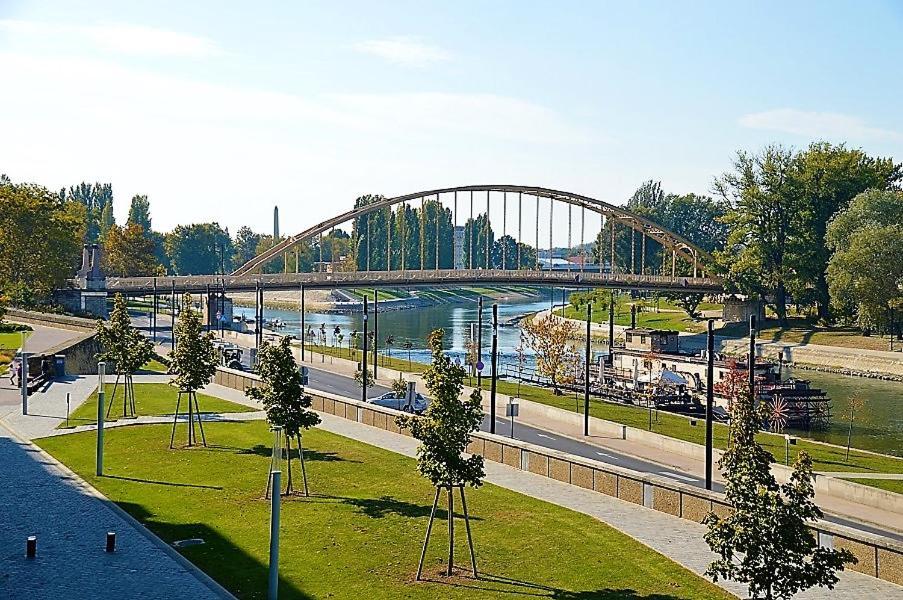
477, 234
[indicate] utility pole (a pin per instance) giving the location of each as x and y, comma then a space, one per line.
709, 401
257, 323
154, 314
172, 324
303, 332
480, 342
376, 331
495, 355
611, 329
364, 357
752, 359
587, 358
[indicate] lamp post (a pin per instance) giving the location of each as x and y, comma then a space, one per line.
23, 377
364, 370
480, 341
587, 358
275, 506
751, 361
101, 393
709, 400
495, 366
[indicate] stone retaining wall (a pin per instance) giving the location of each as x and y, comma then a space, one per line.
51, 320
878, 556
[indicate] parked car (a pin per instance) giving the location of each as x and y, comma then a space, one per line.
391, 400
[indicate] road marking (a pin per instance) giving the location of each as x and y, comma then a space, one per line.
548, 437
604, 454
677, 476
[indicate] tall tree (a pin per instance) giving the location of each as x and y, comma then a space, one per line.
196, 249
245, 245
129, 252
370, 235
865, 273
444, 432
476, 232
766, 541
406, 238
97, 199
284, 400
764, 225
139, 213
828, 177
39, 242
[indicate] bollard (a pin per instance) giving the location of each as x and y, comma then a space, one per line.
273, 587
67, 408
31, 546
111, 541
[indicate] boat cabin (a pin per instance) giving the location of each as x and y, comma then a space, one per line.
651, 340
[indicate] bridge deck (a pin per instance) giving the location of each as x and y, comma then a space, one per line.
413, 278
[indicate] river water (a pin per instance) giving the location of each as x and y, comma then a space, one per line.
878, 426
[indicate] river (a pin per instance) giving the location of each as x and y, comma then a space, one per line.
878, 426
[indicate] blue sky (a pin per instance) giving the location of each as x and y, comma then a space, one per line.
219, 110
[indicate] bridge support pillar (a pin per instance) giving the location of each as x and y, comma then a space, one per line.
217, 303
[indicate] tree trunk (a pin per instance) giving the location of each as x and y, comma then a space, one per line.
780, 302
824, 299
451, 531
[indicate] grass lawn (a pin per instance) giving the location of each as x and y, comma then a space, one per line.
12, 340
804, 331
150, 399
359, 535
677, 321
155, 366
825, 458
398, 360
891, 485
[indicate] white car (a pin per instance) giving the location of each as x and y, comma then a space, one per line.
391, 400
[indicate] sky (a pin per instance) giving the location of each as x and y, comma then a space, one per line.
220, 110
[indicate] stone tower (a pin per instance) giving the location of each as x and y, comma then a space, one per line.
275, 223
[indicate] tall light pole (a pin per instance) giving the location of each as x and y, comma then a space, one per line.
495, 354
751, 363
480, 342
376, 331
589, 316
364, 361
709, 401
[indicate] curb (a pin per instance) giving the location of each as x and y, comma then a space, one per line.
190, 567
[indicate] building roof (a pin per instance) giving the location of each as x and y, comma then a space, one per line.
647, 331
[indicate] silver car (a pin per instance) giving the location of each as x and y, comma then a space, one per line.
391, 400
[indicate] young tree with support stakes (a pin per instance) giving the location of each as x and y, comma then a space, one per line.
194, 364
124, 346
285, 402
444, 432
766, 541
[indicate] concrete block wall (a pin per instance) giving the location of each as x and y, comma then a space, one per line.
878, 556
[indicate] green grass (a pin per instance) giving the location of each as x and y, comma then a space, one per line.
891, 485
155, 366
397, 361
12, 340
359, 534
150, 399
803, 331
677, 321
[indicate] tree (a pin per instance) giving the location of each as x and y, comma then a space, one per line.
193, 363
245, 245
360, 377
124, 346
865, 273
688, 302
129, 252
548, 336
284, 401
478, 236
764, 225
94, 198
39, 242
444, 432
139, 213
765, 542
198, 249
829, 177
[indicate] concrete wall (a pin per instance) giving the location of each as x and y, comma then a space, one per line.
80, 352
836, 359
51, 320
879, 557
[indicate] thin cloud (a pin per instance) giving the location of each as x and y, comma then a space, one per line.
404, 51
119, 37
815, 124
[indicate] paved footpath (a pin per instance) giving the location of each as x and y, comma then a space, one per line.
39, 497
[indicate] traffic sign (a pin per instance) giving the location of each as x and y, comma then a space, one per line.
480, 365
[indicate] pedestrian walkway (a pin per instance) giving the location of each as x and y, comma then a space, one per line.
70, 520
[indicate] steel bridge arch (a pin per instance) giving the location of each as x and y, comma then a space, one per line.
679, 245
